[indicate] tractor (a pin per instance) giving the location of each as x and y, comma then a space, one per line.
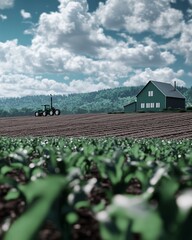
47, 110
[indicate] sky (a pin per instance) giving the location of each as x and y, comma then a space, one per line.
75, 46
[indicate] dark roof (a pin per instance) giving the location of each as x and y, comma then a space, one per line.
167, 89
130, 104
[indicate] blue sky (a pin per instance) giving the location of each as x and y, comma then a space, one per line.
72, 46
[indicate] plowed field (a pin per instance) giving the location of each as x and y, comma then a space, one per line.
137, 125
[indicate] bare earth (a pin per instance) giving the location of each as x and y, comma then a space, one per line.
137, 125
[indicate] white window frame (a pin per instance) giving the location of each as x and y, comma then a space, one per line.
142, 105
148, 105
150, 93
158, 105
152, 105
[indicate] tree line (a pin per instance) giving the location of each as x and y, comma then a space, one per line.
108, 100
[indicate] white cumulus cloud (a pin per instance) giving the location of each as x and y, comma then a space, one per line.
72, 40
71, 28
141, 15
139, 54
169, 23
18, 85
162, 75
183, 44
25, 14
14, 85
6, 4
3, 17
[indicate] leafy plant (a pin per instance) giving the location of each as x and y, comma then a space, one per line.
130, 187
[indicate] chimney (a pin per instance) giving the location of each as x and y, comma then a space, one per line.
175, 85
51, 101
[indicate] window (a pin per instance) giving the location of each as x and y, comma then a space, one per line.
150, 93
158, 105
152, 105
142, 105
148, 105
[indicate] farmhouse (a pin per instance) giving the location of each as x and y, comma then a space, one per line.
157, 96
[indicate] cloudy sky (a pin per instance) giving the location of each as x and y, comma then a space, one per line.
72, 46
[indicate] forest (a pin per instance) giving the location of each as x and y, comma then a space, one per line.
108, 100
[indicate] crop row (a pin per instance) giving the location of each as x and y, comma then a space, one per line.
123, 188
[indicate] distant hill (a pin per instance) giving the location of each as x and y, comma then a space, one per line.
109, 100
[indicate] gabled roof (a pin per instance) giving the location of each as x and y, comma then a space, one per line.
166, 88
131, 103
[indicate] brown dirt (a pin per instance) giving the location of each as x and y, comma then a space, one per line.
136, 125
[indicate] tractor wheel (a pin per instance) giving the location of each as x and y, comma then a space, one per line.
51, 112
36, 114
44, 113
57, 112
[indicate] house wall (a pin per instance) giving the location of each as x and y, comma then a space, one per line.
130, 107
175, 103
157, 101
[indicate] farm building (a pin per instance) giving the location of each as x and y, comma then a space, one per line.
157, 96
